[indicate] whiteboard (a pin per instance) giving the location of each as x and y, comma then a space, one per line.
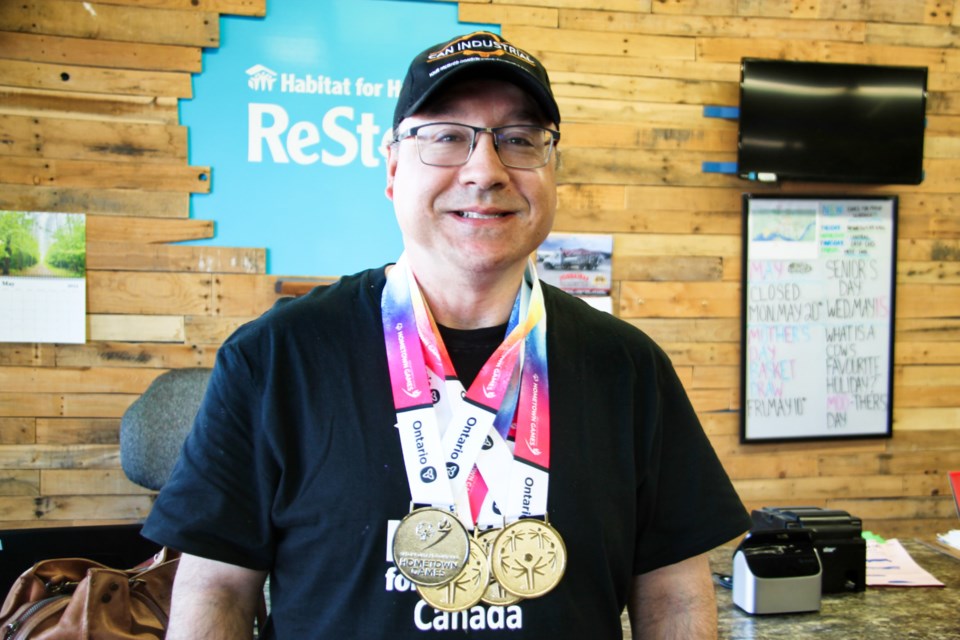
818, 309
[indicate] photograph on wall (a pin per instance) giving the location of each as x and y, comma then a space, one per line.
43, 263
818, 310
578, 263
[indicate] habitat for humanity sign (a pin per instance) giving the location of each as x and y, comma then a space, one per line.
292, 112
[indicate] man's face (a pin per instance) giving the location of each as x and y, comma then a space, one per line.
481, 217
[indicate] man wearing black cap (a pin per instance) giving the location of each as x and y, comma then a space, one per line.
446, 446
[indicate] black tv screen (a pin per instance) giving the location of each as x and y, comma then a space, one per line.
830, 122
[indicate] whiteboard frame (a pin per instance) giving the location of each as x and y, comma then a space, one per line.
751, 431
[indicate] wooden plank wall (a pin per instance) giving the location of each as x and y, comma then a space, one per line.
88, 123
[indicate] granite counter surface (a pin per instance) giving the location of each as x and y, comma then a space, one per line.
879, 613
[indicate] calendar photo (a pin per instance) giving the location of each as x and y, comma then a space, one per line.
43, 265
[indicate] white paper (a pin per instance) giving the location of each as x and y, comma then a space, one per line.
951, 538
889, 565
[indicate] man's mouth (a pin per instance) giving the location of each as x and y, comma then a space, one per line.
476, 215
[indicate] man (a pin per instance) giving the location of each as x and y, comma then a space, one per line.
350, 439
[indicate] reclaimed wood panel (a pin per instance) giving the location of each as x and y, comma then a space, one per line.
53, 172
928, 272
135, 328
677, 245
926, 353
18, 430
69, 431
513, 14
703, 353
618, 87
256, 295
928, 301
19, 354
597, 43
68, 510
658, 269
142, 354
606, 5
642, 167
666, 330
941, 419
134, 256
671, 299
237, 7
900, 508
85, 140
19, 483
732, 49
613, 136
213, 330
154, 230
882, 11
134, 292
40, 456
71, 77
111, 22
558, 61
79, 51
75, 380
89, 106
168, 204
690, 23
88, 482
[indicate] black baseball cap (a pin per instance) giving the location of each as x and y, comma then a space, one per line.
479, 55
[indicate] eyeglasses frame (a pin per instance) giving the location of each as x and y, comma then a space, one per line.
493, 131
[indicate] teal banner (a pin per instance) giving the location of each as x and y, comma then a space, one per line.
292, 112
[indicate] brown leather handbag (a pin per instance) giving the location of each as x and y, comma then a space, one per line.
77, 599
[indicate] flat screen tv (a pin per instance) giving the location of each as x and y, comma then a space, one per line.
830, 122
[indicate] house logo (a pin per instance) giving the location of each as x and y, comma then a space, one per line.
261, 78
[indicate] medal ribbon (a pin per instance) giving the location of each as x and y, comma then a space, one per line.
469, 428
413, 397
493, 403
530, 477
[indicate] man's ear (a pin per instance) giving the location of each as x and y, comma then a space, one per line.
391, 169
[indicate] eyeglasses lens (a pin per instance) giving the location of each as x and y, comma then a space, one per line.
450, 145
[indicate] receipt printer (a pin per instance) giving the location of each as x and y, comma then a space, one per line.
836, 536
776, 571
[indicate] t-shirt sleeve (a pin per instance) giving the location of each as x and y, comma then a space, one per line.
687, 504
216, 503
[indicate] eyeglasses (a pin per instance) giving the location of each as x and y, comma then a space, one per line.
448, 144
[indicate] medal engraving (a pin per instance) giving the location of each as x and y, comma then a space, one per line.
495, 594
466, 589
430, 547
528, 558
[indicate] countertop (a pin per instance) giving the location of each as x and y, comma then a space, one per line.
879, 613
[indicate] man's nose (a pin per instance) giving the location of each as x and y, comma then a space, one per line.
484, 166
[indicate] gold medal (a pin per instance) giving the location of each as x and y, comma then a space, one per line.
495, 594
430, 547
528, 558
466, 589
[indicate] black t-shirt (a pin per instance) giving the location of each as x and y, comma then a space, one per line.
297, 465
469, 349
